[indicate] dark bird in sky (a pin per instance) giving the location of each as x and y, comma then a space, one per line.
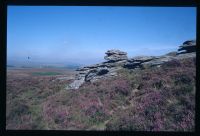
28, 57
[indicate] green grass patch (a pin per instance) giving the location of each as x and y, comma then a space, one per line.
36, 114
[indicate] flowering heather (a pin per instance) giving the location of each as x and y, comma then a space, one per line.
164, 102
151, 99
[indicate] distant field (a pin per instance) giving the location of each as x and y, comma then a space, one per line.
40, 71
46, 73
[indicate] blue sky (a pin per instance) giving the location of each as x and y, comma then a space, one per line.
83, 34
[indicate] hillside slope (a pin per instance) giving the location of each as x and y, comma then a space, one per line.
147, 98
155, 99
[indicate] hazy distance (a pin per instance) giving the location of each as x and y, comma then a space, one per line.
76, 36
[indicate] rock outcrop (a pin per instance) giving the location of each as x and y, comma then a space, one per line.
136, 62
115, 55
116, 60
96, 72
187, 47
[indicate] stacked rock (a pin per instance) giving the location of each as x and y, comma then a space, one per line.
115, 55
115, 60
187, 47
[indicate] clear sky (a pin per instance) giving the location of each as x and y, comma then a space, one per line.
83, 34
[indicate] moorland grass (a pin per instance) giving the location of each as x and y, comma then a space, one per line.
46, 73
151, 99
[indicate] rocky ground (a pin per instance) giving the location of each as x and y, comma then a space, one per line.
117, 60
144, 93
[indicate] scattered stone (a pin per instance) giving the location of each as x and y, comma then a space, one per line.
76, 84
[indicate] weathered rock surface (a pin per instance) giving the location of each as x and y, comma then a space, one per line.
76, 84
136, 62
157, 61
187, 47
117, 60
143, 58
96, 72
115, 55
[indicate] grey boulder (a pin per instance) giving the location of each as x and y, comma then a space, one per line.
187, 47
115, 55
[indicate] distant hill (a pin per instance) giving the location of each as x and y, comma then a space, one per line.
23, 64
10, 66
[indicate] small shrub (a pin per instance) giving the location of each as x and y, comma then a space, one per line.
121, 86
182, 79
18, 110
158, 84
172, 63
